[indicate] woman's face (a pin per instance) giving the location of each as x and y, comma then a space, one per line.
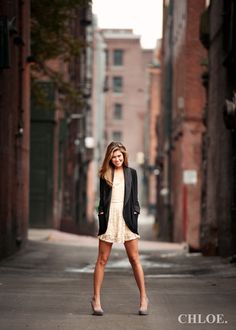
117, 158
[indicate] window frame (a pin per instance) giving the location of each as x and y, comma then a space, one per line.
118, 110
114, 138
117, 88
118, 60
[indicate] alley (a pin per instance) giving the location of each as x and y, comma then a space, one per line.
48, 285
112, 111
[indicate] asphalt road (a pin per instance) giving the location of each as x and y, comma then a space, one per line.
48, 285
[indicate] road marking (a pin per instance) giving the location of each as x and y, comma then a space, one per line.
87, 269
169, 276
120, 264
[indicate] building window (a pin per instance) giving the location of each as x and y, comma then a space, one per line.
117, 114
117, 84
107, 57
117, 136
118, 57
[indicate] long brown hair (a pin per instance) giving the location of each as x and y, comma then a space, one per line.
105, 171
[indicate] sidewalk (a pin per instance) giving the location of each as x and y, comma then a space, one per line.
146, 229
58, 237
162, 258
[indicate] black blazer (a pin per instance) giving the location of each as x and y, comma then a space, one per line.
131, 208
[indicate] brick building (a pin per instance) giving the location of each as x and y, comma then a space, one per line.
218, 26
180, 153
59, 187
154, 108
46, 154
78, 199
126, 98
14, 124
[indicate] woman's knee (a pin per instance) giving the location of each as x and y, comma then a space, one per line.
102, 259
134, 259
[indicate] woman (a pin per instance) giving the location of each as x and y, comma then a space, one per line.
118, 214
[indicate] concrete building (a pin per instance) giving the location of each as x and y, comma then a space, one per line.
218, 35
180, 154
14, 124
126, 97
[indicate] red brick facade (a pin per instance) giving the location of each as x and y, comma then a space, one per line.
14, 128
188, 98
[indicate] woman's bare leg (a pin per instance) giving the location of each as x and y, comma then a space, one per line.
104, 250
133, 255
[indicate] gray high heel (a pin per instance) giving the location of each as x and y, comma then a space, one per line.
144, 311
97, 312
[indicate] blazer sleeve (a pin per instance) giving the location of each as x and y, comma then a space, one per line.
101, 203
135, 192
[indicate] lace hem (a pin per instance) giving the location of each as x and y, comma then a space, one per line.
117, 239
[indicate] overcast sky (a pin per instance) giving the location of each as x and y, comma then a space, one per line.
143, 16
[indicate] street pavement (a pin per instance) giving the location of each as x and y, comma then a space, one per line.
48, 285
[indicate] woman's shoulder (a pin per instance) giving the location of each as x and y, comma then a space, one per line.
133, 170
102, 180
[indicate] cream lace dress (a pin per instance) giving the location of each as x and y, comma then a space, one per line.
117, 230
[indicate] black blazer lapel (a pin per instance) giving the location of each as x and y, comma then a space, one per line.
128, 183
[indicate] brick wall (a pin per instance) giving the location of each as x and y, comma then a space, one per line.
14, 128
187, 127
217, 234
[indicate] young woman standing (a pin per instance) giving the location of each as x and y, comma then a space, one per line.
118, 214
